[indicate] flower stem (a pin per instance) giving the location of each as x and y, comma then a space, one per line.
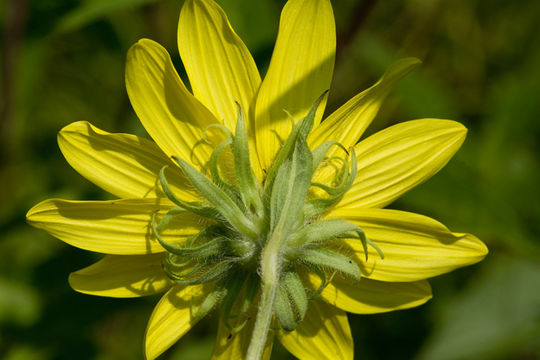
270, 273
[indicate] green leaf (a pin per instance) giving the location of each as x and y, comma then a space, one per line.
496, 315
91, 11
19, 304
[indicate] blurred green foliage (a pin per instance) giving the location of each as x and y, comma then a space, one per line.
63, 61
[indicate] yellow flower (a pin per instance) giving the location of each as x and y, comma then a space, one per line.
289, 216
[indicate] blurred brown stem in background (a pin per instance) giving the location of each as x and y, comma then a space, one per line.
16, 11
357, 19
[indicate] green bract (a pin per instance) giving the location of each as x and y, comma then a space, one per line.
262, 235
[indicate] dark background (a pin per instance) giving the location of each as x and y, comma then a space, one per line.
63, 61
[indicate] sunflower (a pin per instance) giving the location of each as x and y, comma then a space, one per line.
246, 203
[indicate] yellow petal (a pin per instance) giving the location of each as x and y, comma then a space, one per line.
172, 318
347, 124
119, 227
300, 71
400, 157
122, 276
219, 66
124, 165
323, 334
370, 296
415, 247
167, 110
234, 345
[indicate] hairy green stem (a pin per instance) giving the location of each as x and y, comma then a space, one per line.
270, 273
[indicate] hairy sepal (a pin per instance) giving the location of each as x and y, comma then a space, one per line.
301, 130
284, 310
219, 200
297, 293
213, 164
317, 206
320, 231
233, 287
326, 258
247, 182
210, 301
319, 153
203, 273
290, 189
194, 207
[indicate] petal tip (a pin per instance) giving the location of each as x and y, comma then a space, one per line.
144, 42
460, 133
31, 215
72, 281
73, 128
408, 62
478, 250
454, 129
28, 217
429, 293
399, 69
460, 128
142, 46
414, 60
483, 251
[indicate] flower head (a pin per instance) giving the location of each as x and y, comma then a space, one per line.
247, 203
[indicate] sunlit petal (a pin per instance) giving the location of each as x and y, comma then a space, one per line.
220, 68
122, 276
323, 334
172, 317
371, 297
415, 247
400, 157
124, 165
300, 71
234, 345
119, 227
348, 123
167, 110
